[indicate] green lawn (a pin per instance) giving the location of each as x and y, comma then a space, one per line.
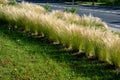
86, 2
97, 3
26, 57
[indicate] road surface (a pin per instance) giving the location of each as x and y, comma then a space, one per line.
110, 15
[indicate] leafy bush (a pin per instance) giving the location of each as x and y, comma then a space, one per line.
48, 7
72, 10
66, 9
12, 2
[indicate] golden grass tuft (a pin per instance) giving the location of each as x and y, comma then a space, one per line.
31, 7
86, 21
3, 1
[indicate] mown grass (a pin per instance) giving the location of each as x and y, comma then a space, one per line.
27, 57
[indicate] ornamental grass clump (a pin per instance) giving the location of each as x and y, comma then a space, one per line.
86, 21
31, 7
103, 48
94, 42
3, 1
115, 54
18, 17
30, 20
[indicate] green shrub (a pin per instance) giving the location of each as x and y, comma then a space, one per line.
71, 10
47, 7
74, 10
66, 9
12, 2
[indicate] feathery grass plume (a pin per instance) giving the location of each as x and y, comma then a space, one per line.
93, 21
82, 39
16, 16
29, 20
47, 27
60, 28
32, 7
3, 1
106, 42
69, 17
115, 54
113, 42
101, 52
94, 42
89, 41
75, 38
81, 20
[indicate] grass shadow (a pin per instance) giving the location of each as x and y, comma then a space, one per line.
81, 66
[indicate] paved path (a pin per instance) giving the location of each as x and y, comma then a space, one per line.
111, 15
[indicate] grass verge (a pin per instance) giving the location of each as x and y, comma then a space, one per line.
71, 36
23, 56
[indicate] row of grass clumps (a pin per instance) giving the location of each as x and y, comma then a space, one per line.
86, 21
94, 42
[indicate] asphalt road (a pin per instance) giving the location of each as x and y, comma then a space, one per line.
111, 15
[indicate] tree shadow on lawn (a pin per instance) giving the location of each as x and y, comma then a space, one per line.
80, 65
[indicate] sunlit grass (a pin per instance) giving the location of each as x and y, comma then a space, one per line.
32, 7
23, 56
70, 30
86, 21
3, 1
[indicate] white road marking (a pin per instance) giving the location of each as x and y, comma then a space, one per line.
114, 27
